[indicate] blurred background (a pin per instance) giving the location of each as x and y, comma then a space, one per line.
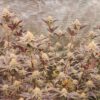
65, 11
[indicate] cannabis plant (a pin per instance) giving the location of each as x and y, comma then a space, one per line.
60, 65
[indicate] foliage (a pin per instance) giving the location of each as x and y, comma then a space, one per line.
57, 66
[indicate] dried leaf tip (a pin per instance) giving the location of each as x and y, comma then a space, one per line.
90, 83
16, 83
92, 45
28, 37
64, 92
50, 18
6, 12
77, 24
37, 92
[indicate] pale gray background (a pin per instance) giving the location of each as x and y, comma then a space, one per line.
32, 12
